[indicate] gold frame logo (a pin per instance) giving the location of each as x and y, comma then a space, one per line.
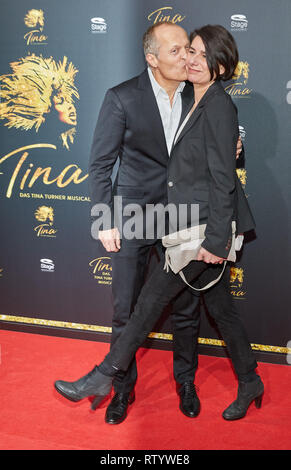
35, 19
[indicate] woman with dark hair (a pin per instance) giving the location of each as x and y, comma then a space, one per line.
201, 171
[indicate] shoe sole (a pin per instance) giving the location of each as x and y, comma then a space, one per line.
68, 397
258, 403
194, 415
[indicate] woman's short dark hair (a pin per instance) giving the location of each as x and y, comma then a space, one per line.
220, 48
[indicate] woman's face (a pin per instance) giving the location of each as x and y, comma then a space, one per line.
196, 63
66, 109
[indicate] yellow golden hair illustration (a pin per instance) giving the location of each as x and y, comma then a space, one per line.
36, 85
236, 274
43, 213
33, 18
242, 70
242, 175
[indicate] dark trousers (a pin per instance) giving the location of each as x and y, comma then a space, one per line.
156, 294
129, 269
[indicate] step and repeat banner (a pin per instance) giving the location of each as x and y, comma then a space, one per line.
57, 60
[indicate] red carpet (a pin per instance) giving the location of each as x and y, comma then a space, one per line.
34, 417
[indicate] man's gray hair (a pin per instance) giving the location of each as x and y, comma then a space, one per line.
150, 42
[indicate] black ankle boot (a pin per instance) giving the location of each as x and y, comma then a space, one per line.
93, 383
247, 392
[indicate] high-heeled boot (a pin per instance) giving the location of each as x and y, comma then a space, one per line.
94, 383
247, 392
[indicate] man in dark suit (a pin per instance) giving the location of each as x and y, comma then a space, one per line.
137, 123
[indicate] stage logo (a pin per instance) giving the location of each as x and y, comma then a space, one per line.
98, 25
237, 283
45, 215
165, 14
40, 91
238, 88
102, 270
34, 20
47, 265
238, 22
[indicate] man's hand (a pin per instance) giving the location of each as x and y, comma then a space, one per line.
110, 239
238, 147
207, 257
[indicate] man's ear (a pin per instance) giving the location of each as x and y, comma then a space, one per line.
151, 60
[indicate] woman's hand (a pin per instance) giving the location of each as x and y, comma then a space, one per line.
207, 257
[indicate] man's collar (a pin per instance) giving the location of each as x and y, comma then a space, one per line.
157, 87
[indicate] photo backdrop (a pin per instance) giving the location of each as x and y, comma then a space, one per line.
57, 60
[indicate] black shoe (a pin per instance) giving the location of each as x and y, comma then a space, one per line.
93, 383
189, 401
117, 410
247, 392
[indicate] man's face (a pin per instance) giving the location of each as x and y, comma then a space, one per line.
170, 63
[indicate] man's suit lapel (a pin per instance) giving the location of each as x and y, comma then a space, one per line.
149, 108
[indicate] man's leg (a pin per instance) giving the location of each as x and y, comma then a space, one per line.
185, 327
185, 320
128, 273
156, 294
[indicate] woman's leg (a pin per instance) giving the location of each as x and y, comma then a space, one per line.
158, 291
222, 309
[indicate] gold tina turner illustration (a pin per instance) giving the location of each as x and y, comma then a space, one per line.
35, 88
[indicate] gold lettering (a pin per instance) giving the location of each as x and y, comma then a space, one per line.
31, 37
42, 231
157, 16
73, 177
178, 19
15, 173
76, 177
99, 265
235, 90
239, 293
25, 176
39, 171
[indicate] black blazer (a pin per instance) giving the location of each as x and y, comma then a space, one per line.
202, 170
129, 126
